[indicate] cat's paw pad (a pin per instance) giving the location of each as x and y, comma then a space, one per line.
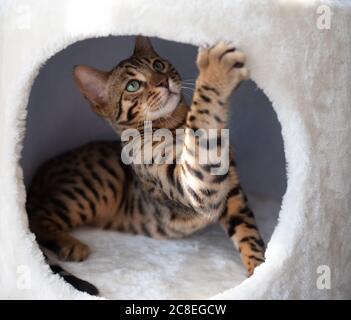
75, 251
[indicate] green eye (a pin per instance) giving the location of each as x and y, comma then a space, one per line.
133, 85
158, 65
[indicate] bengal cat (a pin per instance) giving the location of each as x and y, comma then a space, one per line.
92, 186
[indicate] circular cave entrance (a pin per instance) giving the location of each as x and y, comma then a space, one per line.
125, 266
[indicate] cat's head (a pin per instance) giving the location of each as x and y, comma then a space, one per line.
140, 88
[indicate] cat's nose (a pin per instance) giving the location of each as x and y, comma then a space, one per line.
163, 83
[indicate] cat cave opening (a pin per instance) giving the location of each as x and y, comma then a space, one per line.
126, 266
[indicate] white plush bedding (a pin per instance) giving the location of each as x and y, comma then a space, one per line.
126, 266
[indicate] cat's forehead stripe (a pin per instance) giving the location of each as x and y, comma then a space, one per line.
130, 73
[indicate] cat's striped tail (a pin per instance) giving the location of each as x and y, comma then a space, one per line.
77, 283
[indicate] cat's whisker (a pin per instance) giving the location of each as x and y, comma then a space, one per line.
189, 91
186, 79
188, 94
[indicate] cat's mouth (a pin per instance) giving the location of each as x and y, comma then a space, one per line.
169, 102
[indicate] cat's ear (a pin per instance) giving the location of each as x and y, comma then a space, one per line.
92, 83
143, 46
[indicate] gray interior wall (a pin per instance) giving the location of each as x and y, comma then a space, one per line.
59, 118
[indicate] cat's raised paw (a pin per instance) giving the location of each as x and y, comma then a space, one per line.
222, 65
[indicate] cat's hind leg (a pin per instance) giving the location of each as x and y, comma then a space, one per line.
52, 228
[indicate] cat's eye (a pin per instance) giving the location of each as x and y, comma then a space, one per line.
133, 85
158, 65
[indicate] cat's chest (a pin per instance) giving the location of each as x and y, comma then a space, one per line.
148, 182
156, 188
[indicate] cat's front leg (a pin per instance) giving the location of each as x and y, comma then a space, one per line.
221, 70
239, 223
